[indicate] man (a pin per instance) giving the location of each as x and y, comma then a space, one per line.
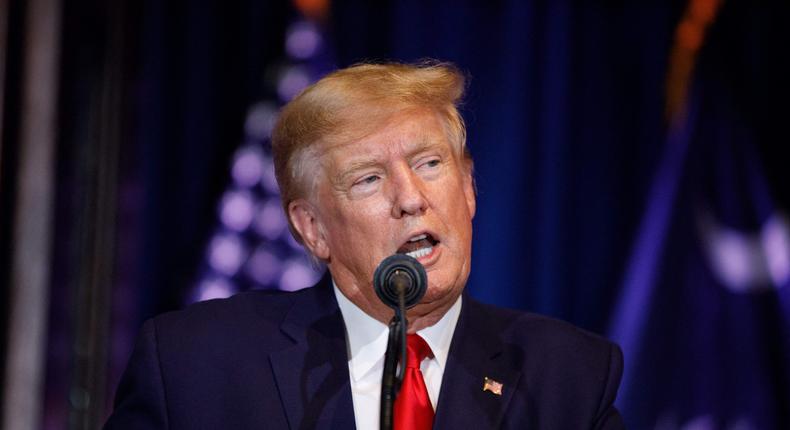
371, 161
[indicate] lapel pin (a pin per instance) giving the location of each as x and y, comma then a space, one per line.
495, 387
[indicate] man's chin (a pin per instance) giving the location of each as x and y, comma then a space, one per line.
437, 296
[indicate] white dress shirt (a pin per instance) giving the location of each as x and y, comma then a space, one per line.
367, 342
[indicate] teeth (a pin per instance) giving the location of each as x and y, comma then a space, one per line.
420, 252
416, 238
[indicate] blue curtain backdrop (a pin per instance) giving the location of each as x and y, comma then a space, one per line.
565, 118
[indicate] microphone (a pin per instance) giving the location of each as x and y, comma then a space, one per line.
400, 282
400, 274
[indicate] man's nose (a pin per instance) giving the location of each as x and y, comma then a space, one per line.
409, 194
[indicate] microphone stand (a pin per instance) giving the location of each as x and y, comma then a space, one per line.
396, 343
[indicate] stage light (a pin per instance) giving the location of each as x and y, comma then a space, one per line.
247, 167
293, 80
270, 220
260, 120
297, 274
776, 242
237, 209
303, 40
263, 266
226, 254
214, 288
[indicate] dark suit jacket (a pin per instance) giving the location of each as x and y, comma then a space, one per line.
278, 361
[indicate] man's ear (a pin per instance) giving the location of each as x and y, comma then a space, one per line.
470, 189
305, 220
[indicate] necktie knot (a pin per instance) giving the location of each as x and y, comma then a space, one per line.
416, 351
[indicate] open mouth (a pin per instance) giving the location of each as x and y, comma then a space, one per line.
418, 246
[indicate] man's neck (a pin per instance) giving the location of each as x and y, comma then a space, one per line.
421, 316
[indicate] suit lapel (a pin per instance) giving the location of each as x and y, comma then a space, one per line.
312, 375
476, 352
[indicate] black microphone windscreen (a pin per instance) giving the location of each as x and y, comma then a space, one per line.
400, 271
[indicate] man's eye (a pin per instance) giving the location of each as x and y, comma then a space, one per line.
368, 180
430, 164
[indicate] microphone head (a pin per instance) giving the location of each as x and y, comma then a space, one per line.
396, 272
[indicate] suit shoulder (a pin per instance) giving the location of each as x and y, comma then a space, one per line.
244, 317
552, 339
563, 368
241, 306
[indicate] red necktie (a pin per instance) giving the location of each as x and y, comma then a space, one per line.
413, 410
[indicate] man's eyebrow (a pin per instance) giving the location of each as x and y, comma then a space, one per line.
421, 145
424, 145
354, 167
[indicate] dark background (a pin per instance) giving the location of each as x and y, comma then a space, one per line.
566, 122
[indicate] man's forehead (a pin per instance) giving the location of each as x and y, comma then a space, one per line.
404, 133
384, 147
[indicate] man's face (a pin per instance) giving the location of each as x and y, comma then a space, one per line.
401, 189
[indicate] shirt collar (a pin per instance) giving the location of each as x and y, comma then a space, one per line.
367, 342
440, 335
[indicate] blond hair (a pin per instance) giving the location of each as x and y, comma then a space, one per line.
350, 103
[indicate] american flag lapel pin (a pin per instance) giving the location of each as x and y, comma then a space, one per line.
495, 387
